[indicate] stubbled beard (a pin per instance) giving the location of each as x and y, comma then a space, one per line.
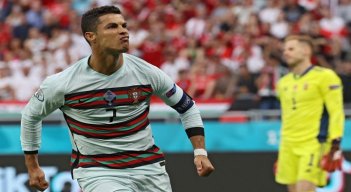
293, 64
119, 51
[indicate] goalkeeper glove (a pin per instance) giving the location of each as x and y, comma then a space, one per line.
275, 167
333, 160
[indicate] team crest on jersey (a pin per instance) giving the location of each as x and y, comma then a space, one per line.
305, 86
134, 94
109, 97
295, 88
39, 95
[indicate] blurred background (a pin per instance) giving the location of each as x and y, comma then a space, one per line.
225, 53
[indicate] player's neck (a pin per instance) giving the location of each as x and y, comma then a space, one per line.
106, 64
301, 68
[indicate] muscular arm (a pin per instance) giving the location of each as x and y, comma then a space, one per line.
36, 174
198, 142
203, 165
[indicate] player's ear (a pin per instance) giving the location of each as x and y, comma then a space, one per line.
306, 49
90, 36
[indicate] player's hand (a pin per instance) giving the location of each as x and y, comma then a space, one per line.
203, 165
333, 160
37, 179
275, 167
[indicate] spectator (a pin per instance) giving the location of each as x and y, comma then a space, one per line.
200, 80
5, 9
36, 42
238, 32
332, 25
174, 63
308, 4
184, 81
137, 36
24, 90
293, 10
16, 47
5, 33
15, 17
35, 14
223, 84
246, 81
266, 83
49, 24
21, 30
343, 10
270, 13
245, 97
244, 10
6, 90
194, 27
280, 29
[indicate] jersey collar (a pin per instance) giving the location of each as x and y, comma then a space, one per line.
304, 73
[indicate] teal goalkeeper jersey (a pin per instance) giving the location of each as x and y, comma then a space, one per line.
107, 115
311, 105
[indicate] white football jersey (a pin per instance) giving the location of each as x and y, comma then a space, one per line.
107, 114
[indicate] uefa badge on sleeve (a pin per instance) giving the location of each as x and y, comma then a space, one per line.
39, 95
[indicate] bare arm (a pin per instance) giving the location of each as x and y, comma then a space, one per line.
203, 165
198, 141
36, 174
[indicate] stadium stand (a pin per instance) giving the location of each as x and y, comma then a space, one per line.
225, 50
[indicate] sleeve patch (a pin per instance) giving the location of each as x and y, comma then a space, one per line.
332, 87
39, 95
184, 104
172, 91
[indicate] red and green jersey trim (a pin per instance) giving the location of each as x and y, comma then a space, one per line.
121, 160
107, 131
118, 96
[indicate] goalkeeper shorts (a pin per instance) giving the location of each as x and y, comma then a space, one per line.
301, 161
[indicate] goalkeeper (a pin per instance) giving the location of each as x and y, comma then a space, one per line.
312, 119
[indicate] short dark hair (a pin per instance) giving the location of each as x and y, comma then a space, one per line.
90, 18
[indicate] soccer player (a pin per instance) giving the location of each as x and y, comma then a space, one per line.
312, 119
105, 99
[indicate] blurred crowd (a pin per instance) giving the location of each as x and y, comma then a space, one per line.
214, 49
